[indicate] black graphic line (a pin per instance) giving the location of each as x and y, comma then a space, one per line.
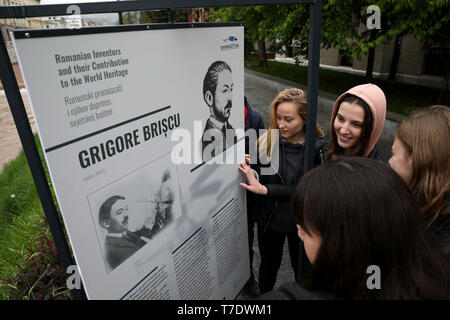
186, 240
105, 129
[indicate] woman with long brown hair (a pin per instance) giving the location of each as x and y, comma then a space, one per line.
421, 156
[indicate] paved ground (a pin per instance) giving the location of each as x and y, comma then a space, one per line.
10, 144
260, 91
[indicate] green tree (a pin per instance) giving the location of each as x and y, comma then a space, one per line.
343, 25
428, 22
341, 22
165, 16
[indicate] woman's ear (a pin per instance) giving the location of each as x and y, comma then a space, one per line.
410, 160
300, 232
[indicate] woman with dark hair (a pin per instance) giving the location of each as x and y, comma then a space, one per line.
355, 214
356, 123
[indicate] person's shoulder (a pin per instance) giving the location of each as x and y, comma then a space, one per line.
441, 227
209, 125
253, 113
254, 117
292, 291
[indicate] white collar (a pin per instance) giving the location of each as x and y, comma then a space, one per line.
217, 123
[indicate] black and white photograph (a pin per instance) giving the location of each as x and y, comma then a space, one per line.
131, 212
218, 134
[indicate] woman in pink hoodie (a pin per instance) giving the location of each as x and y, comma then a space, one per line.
356, 123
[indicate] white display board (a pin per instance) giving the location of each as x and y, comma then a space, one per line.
115, 112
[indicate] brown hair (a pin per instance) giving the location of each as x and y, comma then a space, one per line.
299, 98
426, 137
378, 226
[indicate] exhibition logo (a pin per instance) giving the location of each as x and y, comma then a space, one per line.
229, 43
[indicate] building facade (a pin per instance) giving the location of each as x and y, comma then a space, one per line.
6, 25
199, 14
415, 64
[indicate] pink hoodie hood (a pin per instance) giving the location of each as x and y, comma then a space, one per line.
375, 98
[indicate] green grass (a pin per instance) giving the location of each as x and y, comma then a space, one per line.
21, 218
401, 98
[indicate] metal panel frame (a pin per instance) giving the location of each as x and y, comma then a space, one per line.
120, 6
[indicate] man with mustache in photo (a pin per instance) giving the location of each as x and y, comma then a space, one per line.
121, 243
218, 95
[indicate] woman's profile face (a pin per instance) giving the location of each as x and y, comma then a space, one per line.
348, 126
401, 160
289, 122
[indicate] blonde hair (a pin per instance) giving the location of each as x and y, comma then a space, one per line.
299, 98
426, 137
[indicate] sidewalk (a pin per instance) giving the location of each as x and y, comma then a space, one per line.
19, 78
10, 144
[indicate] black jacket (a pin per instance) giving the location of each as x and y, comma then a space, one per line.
278, 189
441, 228
253, 120
374, 154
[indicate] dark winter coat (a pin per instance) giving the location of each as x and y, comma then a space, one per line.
252, 121
441, 228
279, 190
374, 154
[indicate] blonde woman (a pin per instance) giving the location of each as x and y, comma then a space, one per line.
272, 213
421, 156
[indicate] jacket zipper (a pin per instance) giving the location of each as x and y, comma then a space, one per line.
270, 217
322, 155
282, 180
276, 203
